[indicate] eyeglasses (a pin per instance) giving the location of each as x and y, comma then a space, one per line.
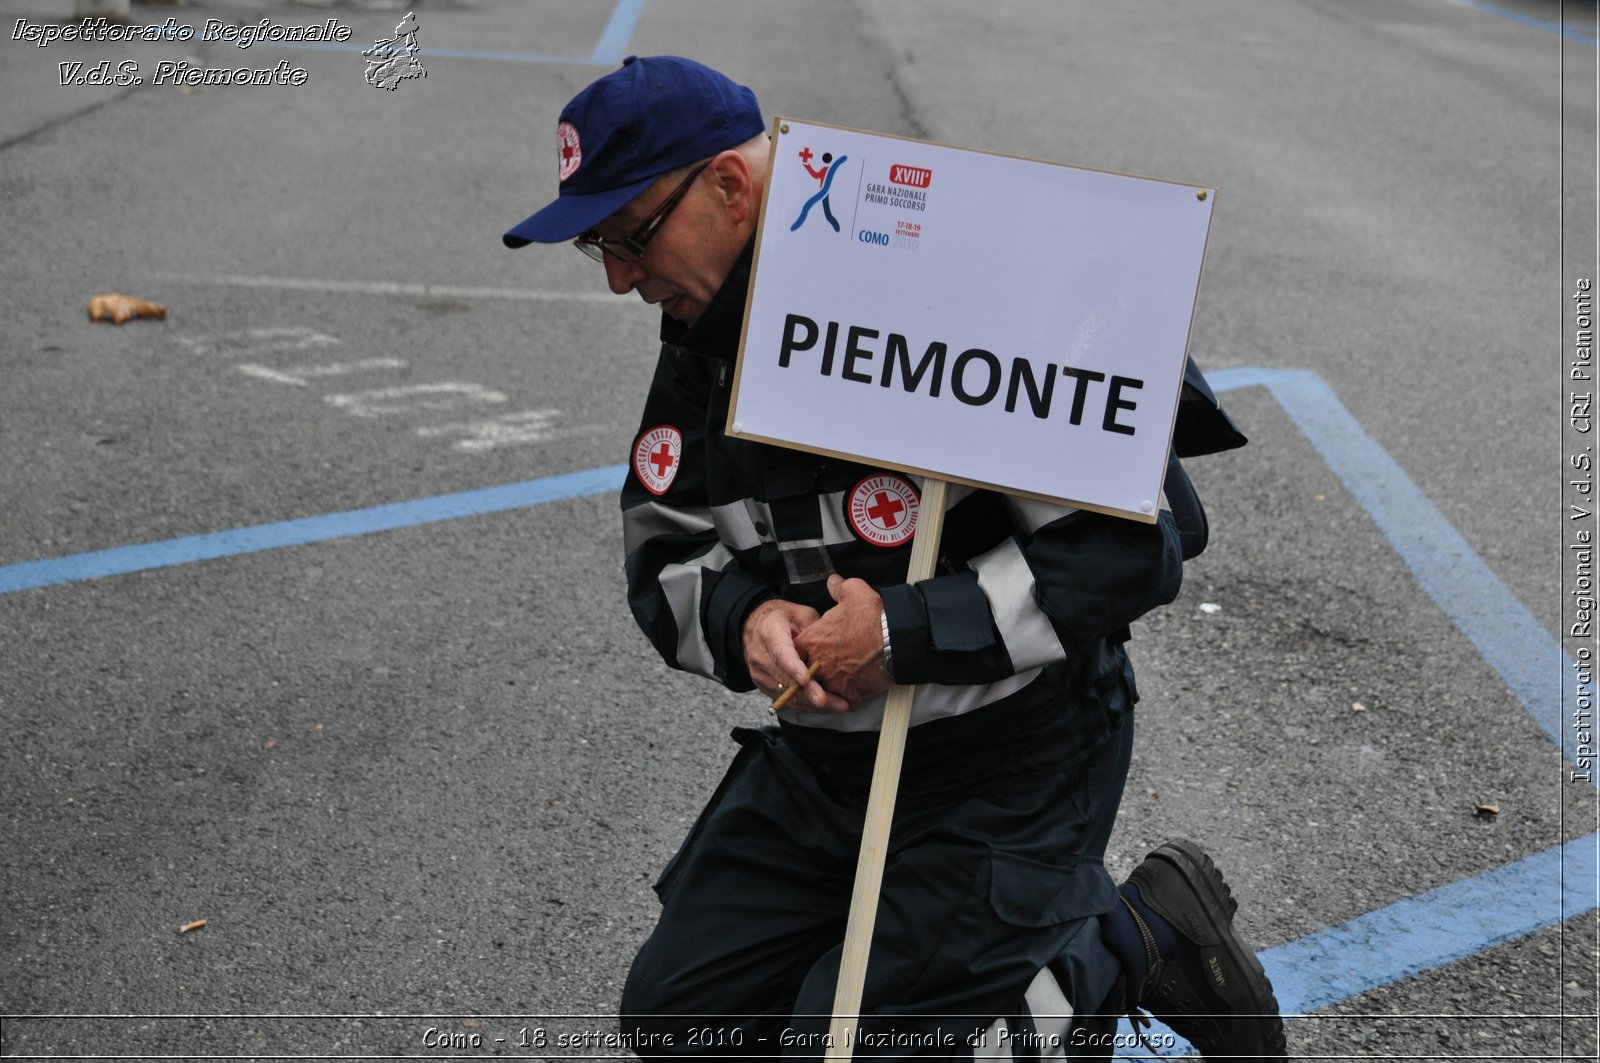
631, 247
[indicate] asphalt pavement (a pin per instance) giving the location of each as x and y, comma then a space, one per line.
311, 609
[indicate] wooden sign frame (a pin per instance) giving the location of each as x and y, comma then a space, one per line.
1112, 289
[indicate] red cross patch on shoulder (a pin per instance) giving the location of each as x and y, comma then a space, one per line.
656, 458
882, 510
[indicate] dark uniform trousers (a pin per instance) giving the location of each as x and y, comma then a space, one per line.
994, 871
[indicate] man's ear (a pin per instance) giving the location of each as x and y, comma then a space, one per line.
734, 183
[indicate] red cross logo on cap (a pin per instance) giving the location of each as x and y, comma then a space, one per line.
571, 151
883, 509
657, 457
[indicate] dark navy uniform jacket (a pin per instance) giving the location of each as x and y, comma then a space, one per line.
1030, 603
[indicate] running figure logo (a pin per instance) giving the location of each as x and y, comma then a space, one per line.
824, 175
392, 61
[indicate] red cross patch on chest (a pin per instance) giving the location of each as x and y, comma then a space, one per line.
882, 510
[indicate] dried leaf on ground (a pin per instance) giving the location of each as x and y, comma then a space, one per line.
117, 308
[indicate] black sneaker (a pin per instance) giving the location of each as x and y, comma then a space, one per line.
1211, 989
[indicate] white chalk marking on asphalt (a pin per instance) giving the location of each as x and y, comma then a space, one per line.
436, 291
512, 429
529, 426
380, 402
261, 372
257, 341
300, 375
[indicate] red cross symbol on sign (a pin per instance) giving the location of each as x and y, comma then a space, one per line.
885, 510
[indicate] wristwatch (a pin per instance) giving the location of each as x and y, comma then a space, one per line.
888, 650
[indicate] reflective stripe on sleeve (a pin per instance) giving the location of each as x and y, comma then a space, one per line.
682, 585
1007, 581
644, 522
736, 523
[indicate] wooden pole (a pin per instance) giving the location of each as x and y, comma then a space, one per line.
880, 802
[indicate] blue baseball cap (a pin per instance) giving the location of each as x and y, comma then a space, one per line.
653, 115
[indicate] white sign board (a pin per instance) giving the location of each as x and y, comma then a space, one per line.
981, 318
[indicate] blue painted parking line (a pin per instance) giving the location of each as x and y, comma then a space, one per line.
1434, 928
1420, 933
1514, 644
75, 568
1581, 34
1462, 918
612, 47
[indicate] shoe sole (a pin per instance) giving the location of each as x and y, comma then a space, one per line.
1206, 882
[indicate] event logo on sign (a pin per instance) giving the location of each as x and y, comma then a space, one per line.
824, 176
656, 458
883, 510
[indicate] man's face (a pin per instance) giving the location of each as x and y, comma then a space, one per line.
686, 260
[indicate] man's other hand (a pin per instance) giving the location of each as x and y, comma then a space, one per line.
772, 659
848, 641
